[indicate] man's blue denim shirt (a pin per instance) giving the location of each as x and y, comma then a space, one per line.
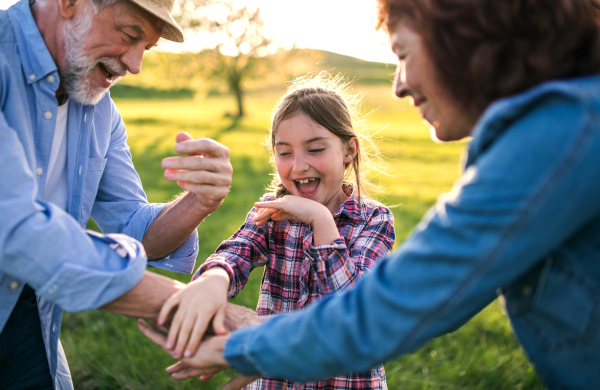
40, 244
522, 220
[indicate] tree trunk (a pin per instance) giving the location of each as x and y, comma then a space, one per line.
237, 90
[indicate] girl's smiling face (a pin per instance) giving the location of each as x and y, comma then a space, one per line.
311, 160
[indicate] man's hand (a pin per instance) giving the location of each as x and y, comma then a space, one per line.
146, 298
204, 172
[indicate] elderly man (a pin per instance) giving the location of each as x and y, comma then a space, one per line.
64, 156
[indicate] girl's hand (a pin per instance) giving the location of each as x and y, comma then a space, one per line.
200, 302
289, 207
303, 210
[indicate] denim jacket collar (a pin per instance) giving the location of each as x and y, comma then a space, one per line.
35, 57
497, 117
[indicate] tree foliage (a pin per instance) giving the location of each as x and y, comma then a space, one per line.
233, 38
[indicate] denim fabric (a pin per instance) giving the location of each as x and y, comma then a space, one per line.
40, 244
23, 363
522, 220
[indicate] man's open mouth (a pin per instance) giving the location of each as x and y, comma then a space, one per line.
107, 73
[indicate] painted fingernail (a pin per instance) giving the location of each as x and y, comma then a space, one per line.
188, 353
175, 354
169, 345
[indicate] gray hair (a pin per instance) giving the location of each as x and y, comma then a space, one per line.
96, 4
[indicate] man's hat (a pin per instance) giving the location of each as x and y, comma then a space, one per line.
162, 10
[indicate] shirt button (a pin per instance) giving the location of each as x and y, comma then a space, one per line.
51, 79
52, 289
32, 77
13, 285
39, 171
48, 115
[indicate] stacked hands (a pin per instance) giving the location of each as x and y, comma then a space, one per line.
194, 324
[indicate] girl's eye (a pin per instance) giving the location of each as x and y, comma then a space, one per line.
282, 154
316, 150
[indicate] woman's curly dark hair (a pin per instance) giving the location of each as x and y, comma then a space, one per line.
484, 50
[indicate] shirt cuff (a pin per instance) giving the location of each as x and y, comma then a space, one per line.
322, 252
217, 263
235, 352
182, 260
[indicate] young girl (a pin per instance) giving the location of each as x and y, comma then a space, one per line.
315, 234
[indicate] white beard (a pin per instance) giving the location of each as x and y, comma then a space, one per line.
78, 75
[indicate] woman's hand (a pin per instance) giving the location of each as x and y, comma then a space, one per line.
300, 209
205, 363
203, 300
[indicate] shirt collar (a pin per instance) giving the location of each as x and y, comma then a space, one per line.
351, 208
35, 58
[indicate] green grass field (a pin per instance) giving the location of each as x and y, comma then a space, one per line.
108, 352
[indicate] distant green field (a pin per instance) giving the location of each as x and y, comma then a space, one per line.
108, 352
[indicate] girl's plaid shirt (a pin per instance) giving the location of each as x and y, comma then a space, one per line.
298, 273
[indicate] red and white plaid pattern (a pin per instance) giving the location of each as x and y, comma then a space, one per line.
298, 273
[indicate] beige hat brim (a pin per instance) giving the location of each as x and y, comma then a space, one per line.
171, 29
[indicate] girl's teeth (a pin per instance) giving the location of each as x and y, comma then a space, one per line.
305, 181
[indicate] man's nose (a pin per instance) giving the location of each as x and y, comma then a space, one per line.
132, 59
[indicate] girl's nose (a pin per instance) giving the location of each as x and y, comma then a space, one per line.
300, 164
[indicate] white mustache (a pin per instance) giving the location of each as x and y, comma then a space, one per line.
113, 66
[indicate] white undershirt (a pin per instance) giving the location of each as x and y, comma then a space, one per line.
56, 190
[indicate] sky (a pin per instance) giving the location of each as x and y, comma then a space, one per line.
341, 26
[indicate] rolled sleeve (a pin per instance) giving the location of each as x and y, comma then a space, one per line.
121, 205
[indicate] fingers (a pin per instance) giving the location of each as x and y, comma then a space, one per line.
218, 322
154, 335
263, 216
176, 324
202, 146
187, 326
196, 336
199, 177
169, 305
183, 136
237, 382
196, 163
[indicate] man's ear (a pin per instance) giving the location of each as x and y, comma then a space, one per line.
351, 150
68, 8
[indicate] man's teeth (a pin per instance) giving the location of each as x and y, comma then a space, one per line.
306, 180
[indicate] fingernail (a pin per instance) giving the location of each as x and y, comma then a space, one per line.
180, 148
188, 353
167, 163
169, 345
175, 354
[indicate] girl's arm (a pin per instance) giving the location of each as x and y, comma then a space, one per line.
338, 266
221, 277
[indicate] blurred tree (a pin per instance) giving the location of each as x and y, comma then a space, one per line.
232, 37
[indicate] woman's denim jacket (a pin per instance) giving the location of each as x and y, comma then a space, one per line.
522, 221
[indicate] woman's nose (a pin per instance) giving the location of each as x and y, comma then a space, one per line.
399, 88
